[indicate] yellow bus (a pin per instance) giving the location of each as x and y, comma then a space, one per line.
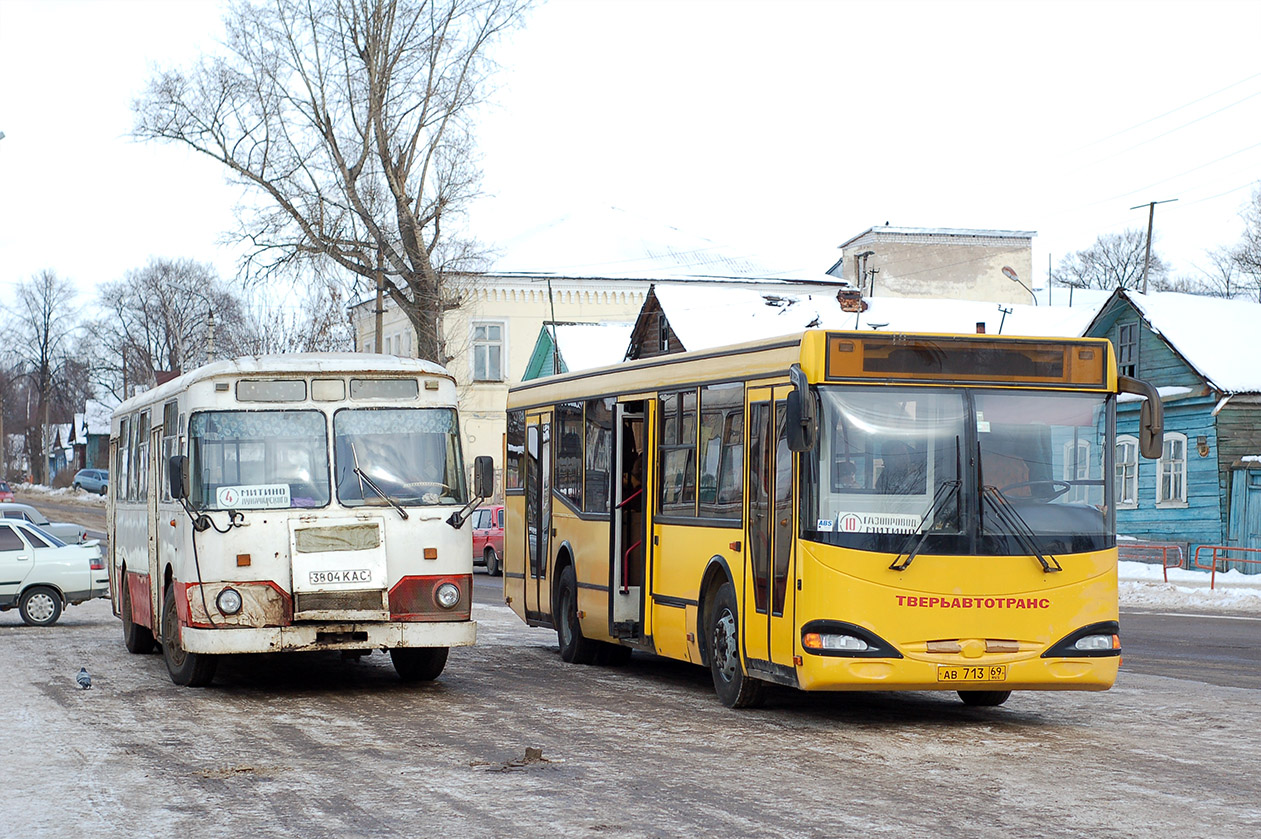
829, 511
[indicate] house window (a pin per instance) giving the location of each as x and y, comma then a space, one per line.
488, 351
1076, 470
1127, 349
1127, 472
663, 333
1171, 480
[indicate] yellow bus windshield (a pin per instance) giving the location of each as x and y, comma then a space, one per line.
972, 472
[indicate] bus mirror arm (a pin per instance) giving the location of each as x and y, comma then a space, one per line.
1151, 425
483, 488
801, 423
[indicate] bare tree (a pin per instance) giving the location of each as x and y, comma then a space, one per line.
314, 322
1222, 277
1115, 260
163, 317
44, 319
352, 121
1247, 254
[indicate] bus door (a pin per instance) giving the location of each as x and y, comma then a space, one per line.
151, 504
629, 533
768, 598
111, 542
538, 514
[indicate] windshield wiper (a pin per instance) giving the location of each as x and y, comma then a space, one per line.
1008, 516
944, 492
388, 500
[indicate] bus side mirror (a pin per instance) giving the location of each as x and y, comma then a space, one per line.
177, 476
483, 476
801, 422
1151, 418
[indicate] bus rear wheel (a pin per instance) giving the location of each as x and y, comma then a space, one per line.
137, 639
984, 698
193, 670
419, 664
574, 648
735, 688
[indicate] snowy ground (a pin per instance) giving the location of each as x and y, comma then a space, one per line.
1143, 586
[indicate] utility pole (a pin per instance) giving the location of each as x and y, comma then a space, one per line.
1151, 217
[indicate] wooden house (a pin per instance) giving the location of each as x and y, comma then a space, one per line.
1201, 354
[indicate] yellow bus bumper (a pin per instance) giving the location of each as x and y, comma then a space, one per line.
1030, 673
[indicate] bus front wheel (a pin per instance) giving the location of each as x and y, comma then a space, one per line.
984, 698
735, 688
574, 648
419, 664
194, 670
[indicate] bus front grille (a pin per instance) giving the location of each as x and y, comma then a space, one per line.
339, 601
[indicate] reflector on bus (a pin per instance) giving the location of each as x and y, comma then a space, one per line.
966, 360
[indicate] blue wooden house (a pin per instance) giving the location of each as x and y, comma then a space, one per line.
1201, 354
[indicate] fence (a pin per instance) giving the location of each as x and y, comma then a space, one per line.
1218, 555
1152, 553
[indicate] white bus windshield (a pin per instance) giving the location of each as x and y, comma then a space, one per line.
258, 459
407, 456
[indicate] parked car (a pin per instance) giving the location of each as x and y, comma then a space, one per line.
488, 538
40, 575
66, 531
92, 480
6, 492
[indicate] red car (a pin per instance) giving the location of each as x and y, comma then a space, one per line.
6, 494
488, 538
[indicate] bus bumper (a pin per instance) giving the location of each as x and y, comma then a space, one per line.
1033, 673
328, 636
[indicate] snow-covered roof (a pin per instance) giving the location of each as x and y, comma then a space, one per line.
1219, 337
611, 243
584, 346
704, 318
946, 233
96, 415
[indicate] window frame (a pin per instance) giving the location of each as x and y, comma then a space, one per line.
1121, 466
1161, 500
1127, 349
476, 344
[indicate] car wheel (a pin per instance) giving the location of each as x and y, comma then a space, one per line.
492, 562
77, 487
574, 648
984, 698
192, 670
101, 491
40, 606
419, 664
734, 687
137, 639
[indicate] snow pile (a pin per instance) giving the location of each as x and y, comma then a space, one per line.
29, 492
1143, 586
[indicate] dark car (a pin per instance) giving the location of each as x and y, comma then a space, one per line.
488, 538
92, 480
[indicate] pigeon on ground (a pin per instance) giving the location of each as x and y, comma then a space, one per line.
84, 680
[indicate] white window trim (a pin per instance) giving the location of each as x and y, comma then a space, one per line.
1168, 503
503, 350
1132, 502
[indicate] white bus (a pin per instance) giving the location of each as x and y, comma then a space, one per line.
297, 502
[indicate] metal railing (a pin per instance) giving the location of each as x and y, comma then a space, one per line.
1218, 556
1169, 555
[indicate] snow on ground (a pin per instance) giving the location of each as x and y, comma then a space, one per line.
28, 493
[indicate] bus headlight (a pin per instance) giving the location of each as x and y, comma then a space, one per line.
1092, 643
229, 601
447, 595
828, 641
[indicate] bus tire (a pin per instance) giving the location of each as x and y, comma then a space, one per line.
137, 639
40, 606
193, 670
419, 664
984, 698
735, 688
492, 562
574, 648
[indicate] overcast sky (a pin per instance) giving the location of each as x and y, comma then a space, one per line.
780, 128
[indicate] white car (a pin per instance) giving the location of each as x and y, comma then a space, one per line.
40, 574
66, 531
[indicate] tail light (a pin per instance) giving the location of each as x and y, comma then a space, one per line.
98, 562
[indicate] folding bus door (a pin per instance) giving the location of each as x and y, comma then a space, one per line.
768, 597
538, 515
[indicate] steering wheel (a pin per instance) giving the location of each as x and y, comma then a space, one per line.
1054, 489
